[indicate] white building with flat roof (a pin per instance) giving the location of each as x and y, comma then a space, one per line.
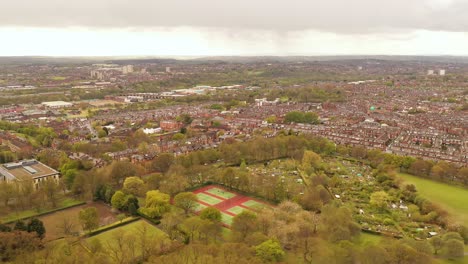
57, 104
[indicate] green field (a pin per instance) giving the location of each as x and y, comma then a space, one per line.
453, 199
254, 204
221, 193
366, 238
237, 210
200, 207
132, 228
208, 199
226, 219
65, 203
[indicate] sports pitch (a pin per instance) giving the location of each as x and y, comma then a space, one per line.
228, 202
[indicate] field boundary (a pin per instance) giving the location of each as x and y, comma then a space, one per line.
45, 213
110, 227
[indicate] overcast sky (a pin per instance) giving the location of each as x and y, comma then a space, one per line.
233, 27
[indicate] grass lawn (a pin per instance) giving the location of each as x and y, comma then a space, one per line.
458, 261
254, 204
200, 207
454, 199
226, 233
226, 219
366, 238
58, 78
54, 222
237, 210
107, 238
220, 193
208, 199
65, 203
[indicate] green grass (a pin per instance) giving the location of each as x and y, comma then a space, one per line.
127, 219
227, 219
200, 207
65, 203
366, 238
208, 199
254, 204
58, 78
108, 238
226, 233
236, 210
221, 193
458, 261
453, 199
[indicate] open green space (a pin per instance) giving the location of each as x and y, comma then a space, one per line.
254, 204
453, 199
55, 222
65, 203
136, 228
208, 199
457, 261
226, 218
237, 210
200, 207
366, 238
220, 193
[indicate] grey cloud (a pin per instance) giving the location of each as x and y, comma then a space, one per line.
339, 16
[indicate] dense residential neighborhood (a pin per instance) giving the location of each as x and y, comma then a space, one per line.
267, 153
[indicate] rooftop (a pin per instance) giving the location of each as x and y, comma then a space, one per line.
25, 169
56, 103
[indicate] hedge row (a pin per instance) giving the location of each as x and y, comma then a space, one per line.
45, 213
111, 226
151, 220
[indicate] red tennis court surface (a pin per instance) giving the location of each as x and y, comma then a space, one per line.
228, 202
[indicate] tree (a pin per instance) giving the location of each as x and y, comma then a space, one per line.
244, 224
437, 243
20, 226
311, 158
66, 226
270, 251
51, 190
121, 217
163, 162
6, 192
122, 169
4, 228
301, 117
36, 225
89, 218
212, 214
157, 203
186, 201
12, 244
131, 204
118, 200
453, 248
337, 223
134, 185
379, 199
169, 223
190, 226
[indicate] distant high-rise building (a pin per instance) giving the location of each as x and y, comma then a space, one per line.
168, 69
441, 72
430, 72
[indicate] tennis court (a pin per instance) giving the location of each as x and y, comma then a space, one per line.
236, 210
228, 203
221, 193
208, 199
